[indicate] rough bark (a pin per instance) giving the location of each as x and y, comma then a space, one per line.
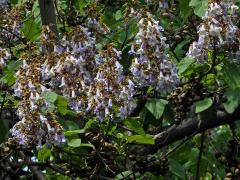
48, 15
190, 127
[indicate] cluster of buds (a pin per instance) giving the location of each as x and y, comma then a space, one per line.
151, 65
218, 29
35, 126
4, 55
110, 88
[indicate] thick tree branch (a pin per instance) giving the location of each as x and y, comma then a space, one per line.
48, 15
190, 127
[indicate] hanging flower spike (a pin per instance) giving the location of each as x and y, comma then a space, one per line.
217, 29
151, 65
73, 67
34, 127
110, 87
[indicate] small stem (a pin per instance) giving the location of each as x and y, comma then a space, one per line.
200, 156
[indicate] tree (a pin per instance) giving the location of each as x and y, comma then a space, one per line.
130, 89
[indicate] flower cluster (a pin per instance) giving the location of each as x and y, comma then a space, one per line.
92, 80
11, 26
71, 68
217, 30
110, 88
76, 70
151, 65
35, 126
4, 55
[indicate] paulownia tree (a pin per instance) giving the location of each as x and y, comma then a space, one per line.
94, 89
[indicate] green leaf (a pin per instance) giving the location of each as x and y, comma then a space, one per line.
70, 125
142, 139
231, 74
31, 29
233, 101
184, 64
14, 1
112, 129
177, 169
209, 80
44, 153
81, 4
134, 125
13, 65
36, 12
118, 15
50, 97
109, 19
203, 105
62, 104
87, 145
200, 7
8, 78
74, 142
74, 132
123, 175
156, 107
88, 124
179, 50
185, 10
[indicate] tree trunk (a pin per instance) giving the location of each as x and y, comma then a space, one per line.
48, 15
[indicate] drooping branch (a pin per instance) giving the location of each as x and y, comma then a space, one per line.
190, 127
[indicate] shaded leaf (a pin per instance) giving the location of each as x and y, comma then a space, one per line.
177, 169
231, 74
156, 107
185, 64
31, 29
134, 125
233, 101
203, 105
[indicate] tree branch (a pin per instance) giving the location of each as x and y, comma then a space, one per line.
48, 15
190, 127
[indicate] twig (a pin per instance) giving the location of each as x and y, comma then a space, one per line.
17, 36
2, 104
200, 156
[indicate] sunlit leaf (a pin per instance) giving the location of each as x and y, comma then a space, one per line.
74, 143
